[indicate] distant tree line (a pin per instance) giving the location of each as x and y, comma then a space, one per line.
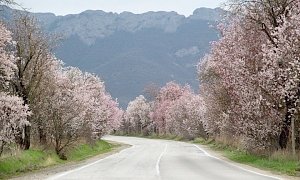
175, 110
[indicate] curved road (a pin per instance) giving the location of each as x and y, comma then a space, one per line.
149, 159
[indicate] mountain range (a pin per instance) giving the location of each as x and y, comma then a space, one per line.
129, 51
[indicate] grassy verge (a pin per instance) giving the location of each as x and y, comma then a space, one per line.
279, 162
85, 151
35, 159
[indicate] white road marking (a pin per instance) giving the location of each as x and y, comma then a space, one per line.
85, 166
158, 161
206, 153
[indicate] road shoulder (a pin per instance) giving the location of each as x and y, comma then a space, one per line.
51, 171
220, 155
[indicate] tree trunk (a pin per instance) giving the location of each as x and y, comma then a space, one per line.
285, 131
25, 141
27, 130
283, 137
2, 148
25, 138
42, 136
293, 137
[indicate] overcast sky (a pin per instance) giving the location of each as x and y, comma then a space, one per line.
62, 7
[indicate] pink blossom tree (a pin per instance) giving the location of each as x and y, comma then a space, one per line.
65, 111
166, 96
185, 116
138, 115
281, 69
236, 59
104, 113
78, 107
255, 65
215, 96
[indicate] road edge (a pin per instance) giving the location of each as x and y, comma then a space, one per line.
220, 156
57, 169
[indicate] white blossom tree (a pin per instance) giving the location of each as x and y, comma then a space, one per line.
138, 114
13, 112
7, 66
13, 119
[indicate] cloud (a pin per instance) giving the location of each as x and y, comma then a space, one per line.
194, 50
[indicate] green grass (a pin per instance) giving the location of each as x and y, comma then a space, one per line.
277, 163
27, 161
35, 159
85, 151
285, 166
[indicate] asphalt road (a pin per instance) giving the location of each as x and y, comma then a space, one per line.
149, 159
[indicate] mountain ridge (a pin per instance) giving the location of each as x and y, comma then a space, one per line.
131, 50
